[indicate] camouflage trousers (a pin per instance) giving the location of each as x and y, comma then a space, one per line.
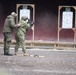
20, 41
7, 42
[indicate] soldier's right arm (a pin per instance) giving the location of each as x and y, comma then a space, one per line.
18, 25
24, 24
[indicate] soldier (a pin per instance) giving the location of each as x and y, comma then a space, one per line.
20, 35
7, 31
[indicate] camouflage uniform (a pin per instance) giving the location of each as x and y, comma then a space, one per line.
20, 35
7, 31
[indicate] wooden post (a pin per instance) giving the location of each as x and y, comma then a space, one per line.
74, 29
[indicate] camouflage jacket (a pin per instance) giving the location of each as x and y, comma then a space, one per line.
22, 29
9, 24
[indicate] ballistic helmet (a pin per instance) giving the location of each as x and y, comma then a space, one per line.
24, 17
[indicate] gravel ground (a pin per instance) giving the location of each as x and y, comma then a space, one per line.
40, 62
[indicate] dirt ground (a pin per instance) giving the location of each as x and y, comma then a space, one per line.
40, 62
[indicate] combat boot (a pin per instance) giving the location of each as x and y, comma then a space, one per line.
8, 54
25, 54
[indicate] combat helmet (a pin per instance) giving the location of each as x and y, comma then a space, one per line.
24, 17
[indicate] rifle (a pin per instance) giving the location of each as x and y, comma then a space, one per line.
31, 23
